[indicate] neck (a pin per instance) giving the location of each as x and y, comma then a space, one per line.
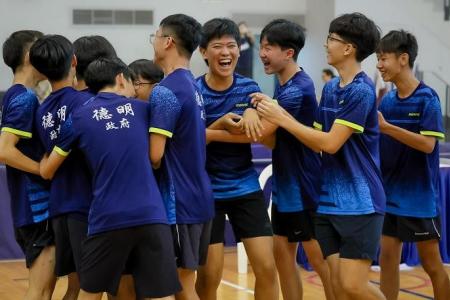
218, 83
406, 83
287, 72
24, 78
173, 63
109, 89
347, 72
81, 85
57, 85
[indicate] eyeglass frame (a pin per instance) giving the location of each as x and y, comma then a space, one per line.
154, 35
330, 38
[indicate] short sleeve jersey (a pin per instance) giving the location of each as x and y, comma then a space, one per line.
177, 113
71, 190
351, 178
29, 193
411, 177
296, 168
229, 165
112, 133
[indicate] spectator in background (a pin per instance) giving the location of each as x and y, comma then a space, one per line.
327, 75
245, 63
147, 75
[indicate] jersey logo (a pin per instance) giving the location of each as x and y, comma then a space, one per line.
242, 105
341, 102
414, 114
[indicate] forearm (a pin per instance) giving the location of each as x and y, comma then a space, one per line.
414, 140
16, 159
312, 138
226, 137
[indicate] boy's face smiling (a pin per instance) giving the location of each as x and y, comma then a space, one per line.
222, 55
391, 65
273, 57
337, 49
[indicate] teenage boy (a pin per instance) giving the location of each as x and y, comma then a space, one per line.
352, 201
20, 150
234, 180
127, 221
147, 74
70, 193
410, 119
178, 146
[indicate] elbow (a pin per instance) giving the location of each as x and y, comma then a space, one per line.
47, 174
330, 149
429, 148
155, 161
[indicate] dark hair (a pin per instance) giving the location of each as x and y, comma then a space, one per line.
89, 48
147, 70
398, 42
285, 34
329, 72
102, 72
357, 29
217, 28
186, 31
16, 45
52, 56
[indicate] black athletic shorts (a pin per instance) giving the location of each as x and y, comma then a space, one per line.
146, 250
247, 214
411, 229
296, 226
69, 234
191, 243
352, 236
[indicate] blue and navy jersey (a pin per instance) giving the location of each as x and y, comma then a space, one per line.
29, 193
296, 168
411, 177
229, 165
351, 178
112, 133
71, 190
177, 113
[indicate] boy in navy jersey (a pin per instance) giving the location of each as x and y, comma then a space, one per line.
234, 180
147, 74
410, 119
87, 49
70, 193
351, 202
20, 150
178, 146
127, 222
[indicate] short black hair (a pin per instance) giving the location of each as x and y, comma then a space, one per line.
285, 34
329, 72
102, 72
358, 30
186, 30
16, 45
147, 70
52, 56
217, 28
398, 42
89, 48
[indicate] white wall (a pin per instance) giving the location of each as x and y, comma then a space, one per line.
131, 42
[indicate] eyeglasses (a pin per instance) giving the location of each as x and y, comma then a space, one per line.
154, 35
330, 38
139, 83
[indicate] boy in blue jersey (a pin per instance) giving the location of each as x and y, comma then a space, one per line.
410, 119
234, 180
20, 150
178, 146
70, 193
296, 175
147, 74
127, 222
351, 203
87, 49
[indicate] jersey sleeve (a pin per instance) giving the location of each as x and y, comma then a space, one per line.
431, 119
66, 138
354, 110
164, 112
19, 115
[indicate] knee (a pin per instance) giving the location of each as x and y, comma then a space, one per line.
266, 269
209, 278
433, 268
352, 288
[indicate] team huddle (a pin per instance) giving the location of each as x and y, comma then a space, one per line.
123, 177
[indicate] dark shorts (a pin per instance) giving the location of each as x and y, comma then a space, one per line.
191, 243
33, 239
411, 229
247, 214
69, 235
296, 226
352, 236
146, 250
